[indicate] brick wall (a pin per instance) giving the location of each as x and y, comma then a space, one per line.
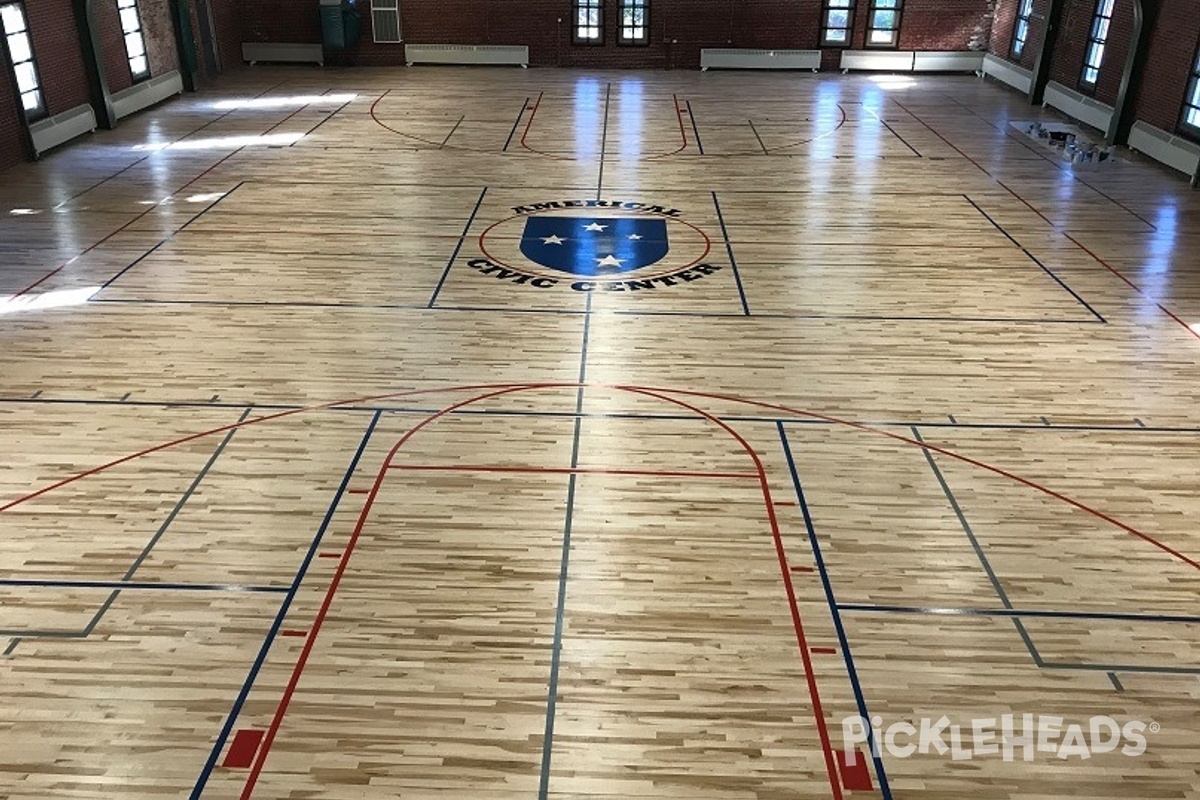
112, 45
159, 32
12, 143
1004, 26
1072, 47
1173, 42
56, 47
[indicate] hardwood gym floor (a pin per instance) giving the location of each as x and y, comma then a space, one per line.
329, 472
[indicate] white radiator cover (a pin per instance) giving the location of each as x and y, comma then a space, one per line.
1007, 72
285, 52
885, 60
958, 61
147, 93
1078, 106
739, 58
62, 128
1174, 151
488, 54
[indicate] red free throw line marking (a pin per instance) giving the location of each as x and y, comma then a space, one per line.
242, 750
319, 621
855, 777
797, 623
824, 651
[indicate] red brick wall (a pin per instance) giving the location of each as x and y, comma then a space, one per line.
56, 48
1004, 26
1072, 47
159, 32
679, 28
228, 20
112, 45
1173, 42
12, 142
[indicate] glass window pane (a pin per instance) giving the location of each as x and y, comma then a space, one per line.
840, 3
138, 66
134, 45
887, 3
129, 20
884, 19
13, 19
839, 19
1193, 117
32, 101
126, 3
835, 35
881, 37
26, 77
18, 46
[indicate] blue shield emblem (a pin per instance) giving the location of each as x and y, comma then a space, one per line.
594, 246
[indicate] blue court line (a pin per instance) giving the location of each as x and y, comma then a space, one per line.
219, 745
609, 312
737, 276
154, 540
457, 247
513, 132
695, 128
563, 574
152, 586
822, 570
983, 559
1037, 261
1110, 616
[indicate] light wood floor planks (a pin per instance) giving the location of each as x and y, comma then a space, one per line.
329, 472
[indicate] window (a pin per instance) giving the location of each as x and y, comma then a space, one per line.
635, 22
883, 29
589, 22
385, 21
1191, 106
135, 43
20, 48
1096, 40
1021, 31
838, 19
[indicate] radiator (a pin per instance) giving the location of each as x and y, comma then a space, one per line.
489, 54
1174, 151
147, 93
885, 60
934, 61
283, 52
1007, 72
61, 128
716, 58
1077, 106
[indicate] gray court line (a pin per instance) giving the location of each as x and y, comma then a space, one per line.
603, 140
983, 559
766, 152
154, 540
452, 130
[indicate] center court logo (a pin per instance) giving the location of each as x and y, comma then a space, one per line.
1008, 737
595, 245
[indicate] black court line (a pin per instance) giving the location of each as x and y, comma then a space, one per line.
564, 571
737, 275
695, 127
331, 115
766, 152
748, 418
302, 571
610, 312
155, 539
452, 130
894, 132
1037, 261
978, 548
162, 242
603, 139
1032, 613
134, 586
516, 123
457, 247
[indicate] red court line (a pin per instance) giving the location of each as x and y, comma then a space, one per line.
569, 471
682, 133
1194, 333
797, 623
824, 651
242, 750
319, 620
856, 777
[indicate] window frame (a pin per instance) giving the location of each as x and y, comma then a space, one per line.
39, 111
1020, 35
1096, 44
894, 6
633, 6
132, 5
827, 9
1191, 101
577, 8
